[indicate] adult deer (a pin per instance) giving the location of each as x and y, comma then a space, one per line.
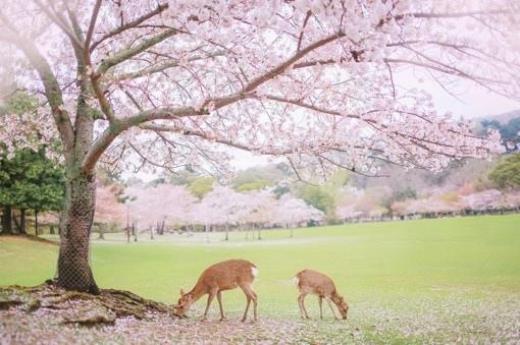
313, 282
225, 275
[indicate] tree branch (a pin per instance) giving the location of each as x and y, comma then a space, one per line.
50, 83
128, 53
92, 24
160, 8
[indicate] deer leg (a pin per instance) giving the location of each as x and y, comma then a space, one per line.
248, 302
300, 306
211, 295
255, 302
331, 308
251, 296
320, 300
219, 299
303, 306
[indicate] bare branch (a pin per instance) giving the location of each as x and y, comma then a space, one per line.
307, 16
133, 24
92, 24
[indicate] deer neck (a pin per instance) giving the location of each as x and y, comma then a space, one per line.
198, 291
336, 299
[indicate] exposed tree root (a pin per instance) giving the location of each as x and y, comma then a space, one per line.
79, 307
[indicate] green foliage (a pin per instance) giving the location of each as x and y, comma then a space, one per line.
19, 103
201, 186
183, 177
319, 197
253, 185
29, 180
324, 197
260, 177
507, 173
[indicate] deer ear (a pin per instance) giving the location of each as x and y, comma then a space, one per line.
182, 292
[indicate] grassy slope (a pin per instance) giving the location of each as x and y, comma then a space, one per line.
371, 263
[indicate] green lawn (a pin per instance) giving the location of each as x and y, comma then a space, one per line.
381, 268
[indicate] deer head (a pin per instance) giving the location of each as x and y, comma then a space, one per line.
341, 304
183, 304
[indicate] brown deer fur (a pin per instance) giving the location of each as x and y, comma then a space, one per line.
313, 282
225, 275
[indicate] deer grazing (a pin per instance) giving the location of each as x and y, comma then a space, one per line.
225, 275
312, 282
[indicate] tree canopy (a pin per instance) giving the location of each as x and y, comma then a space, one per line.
507, 172
29, 180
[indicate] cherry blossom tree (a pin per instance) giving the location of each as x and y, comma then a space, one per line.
166, 203
258, 210
160, 83
222, 206
109, 210
484, 200
291, 212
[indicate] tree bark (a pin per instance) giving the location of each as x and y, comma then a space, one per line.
36, 222
7, 222
101, 231
227, 232
74, 272
22, 227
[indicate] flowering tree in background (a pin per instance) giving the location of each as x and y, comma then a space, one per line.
163, 203
258, 210
482, 201
290, 211
294, 212
159, 83
109, 209
222, 206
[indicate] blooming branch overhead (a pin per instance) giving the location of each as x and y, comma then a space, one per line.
309, 80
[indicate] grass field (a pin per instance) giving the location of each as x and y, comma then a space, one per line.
435, 280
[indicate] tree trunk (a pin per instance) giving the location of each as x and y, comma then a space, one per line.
74, 272
36, 222
101, 231
23, 226
7, 221
51, 230
227, 232
134, 232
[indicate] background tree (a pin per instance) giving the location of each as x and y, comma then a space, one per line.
200, 186
30, 181
161, 83
507, 172
509, 132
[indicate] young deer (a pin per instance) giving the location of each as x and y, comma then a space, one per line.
225, 275
312, 282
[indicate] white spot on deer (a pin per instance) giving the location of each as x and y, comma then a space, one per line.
296, 281
254, 271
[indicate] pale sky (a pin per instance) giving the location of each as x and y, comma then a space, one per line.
472, 101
